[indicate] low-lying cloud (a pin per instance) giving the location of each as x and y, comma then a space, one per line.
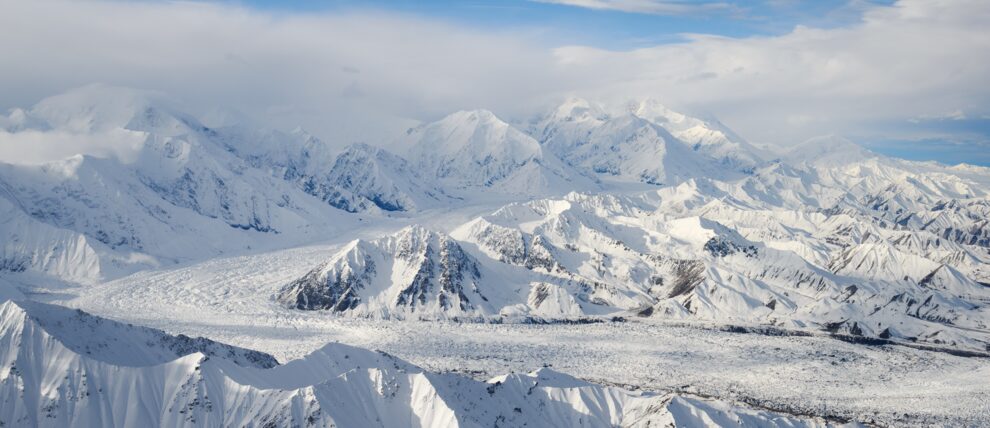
40, 146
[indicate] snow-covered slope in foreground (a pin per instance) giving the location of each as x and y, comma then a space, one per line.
86, 371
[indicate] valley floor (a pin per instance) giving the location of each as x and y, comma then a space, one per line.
229, 300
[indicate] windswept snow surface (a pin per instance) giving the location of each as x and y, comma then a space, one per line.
66, 368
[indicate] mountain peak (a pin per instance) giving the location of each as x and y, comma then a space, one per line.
414, 270
651, 109
479, 116
576, 109
416, 230
101, 107
828, 150
471, 148
467, 126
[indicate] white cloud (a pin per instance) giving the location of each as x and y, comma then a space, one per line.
900, 62
342, 74
653, 7
337, 74
35, 147
956, 114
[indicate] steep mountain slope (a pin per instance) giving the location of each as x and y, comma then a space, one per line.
117, 381
709, 137
648, 143
625, 147
32, 245
360, 178
413, 272
365, 173
476, 149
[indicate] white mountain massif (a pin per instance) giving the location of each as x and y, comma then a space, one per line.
477, 150
587, 214
640, 144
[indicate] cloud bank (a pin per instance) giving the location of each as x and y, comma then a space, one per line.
359, 76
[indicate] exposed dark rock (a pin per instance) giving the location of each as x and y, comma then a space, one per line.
335, 289
687, 275
444, 271
719, 247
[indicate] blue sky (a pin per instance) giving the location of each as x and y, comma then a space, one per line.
905, 77
606, 28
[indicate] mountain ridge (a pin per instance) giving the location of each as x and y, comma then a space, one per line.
45, 382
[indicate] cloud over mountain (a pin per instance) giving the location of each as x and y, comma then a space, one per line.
362, 75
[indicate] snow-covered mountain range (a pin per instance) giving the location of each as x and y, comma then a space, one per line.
62, 367
183, 193
637, 212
